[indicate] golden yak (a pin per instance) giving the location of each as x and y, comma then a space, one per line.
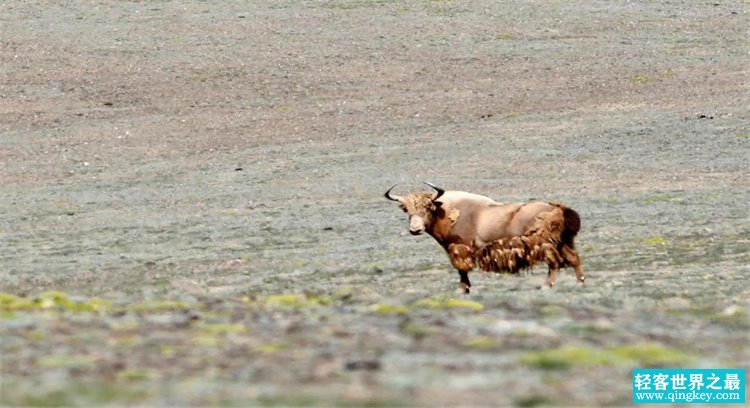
477, 231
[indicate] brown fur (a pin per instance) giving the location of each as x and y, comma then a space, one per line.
541, 242
476, 231
462, 256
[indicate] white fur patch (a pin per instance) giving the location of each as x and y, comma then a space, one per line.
453, 215
453, 196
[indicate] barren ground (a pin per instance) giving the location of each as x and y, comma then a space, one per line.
200, 184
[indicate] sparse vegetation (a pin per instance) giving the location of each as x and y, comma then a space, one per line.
637, 355
448, 303
191, 208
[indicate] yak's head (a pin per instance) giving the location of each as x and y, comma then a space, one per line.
420, 207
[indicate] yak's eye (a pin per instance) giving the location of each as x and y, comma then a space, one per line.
403, 208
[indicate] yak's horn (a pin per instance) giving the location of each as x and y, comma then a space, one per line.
439, 190
393, 198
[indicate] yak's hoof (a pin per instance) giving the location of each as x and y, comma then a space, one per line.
546, 286
463, 288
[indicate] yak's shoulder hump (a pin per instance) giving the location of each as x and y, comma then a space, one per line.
455, 197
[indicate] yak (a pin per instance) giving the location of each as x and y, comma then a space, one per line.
477, 231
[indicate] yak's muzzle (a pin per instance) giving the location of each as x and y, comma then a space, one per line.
416, 225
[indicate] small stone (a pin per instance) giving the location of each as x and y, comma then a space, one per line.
365, 365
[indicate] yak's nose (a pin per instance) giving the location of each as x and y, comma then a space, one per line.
416, 225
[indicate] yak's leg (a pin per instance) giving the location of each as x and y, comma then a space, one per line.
462, 259
553, 257
551, 276
464, 284
571, 257
579, 274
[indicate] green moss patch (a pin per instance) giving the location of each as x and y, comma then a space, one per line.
639, 355
642, 79
483, 343
290, 300
272, 348
65, 361
417, 330
221, 329
650, 355
51, 300
655, 240
448, 303
76, 394
565, 357
150, 306
137, 374
390, 309
736, 316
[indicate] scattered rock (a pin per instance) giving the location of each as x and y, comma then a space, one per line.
364, 365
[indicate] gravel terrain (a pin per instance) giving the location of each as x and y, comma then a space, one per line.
191, 206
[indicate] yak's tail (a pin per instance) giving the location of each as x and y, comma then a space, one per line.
542, 242
571, 225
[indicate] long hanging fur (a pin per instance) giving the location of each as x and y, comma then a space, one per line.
544, 241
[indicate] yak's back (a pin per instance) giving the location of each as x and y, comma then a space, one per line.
462, 198
499, 221
540, 241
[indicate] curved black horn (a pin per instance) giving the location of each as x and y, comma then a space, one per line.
439, 190
390, 197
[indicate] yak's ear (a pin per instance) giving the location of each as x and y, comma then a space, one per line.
453, 215
434, 206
